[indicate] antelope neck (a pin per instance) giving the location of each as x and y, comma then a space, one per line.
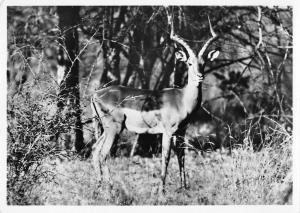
192, 91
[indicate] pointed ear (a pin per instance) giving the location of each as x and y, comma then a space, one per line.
180, 56
212, 55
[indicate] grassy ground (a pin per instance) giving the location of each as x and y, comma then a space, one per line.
242, 177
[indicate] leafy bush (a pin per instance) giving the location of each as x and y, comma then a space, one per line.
33, 124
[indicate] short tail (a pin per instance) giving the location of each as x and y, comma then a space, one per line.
98, 127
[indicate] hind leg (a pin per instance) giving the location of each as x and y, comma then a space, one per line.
97, 129
102, 149
96, 157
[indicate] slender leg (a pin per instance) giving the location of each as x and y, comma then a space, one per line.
101, 151
98, 130
180, 152
96, 155
134, 146
166, 150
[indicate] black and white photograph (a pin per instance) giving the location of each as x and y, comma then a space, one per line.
148, 105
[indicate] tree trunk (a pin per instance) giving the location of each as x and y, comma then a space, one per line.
168, 58
133, 59
116, 48
106, 44
69, 96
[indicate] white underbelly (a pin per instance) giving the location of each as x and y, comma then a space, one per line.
143, 122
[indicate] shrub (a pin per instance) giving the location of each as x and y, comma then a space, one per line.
33, 125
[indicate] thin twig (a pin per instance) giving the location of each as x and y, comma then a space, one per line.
240, 101
76, 58
90, 75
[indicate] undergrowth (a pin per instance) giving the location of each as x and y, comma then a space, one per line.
243, 176
33, 124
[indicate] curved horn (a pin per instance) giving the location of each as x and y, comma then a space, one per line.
207, 43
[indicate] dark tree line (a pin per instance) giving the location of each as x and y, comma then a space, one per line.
251, 77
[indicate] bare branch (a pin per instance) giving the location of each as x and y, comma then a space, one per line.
240, 101
285, 47
89, 78
114, 41
154, 14
228, 63
78, 55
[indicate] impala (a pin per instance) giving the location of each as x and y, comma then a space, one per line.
165, 112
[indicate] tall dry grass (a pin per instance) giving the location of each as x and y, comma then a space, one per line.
242, 176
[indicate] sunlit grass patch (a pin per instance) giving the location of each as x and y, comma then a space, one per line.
242, 177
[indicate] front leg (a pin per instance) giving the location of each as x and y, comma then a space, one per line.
180, 152
166, 150
134, 145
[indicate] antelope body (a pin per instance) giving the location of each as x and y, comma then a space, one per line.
145, 111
